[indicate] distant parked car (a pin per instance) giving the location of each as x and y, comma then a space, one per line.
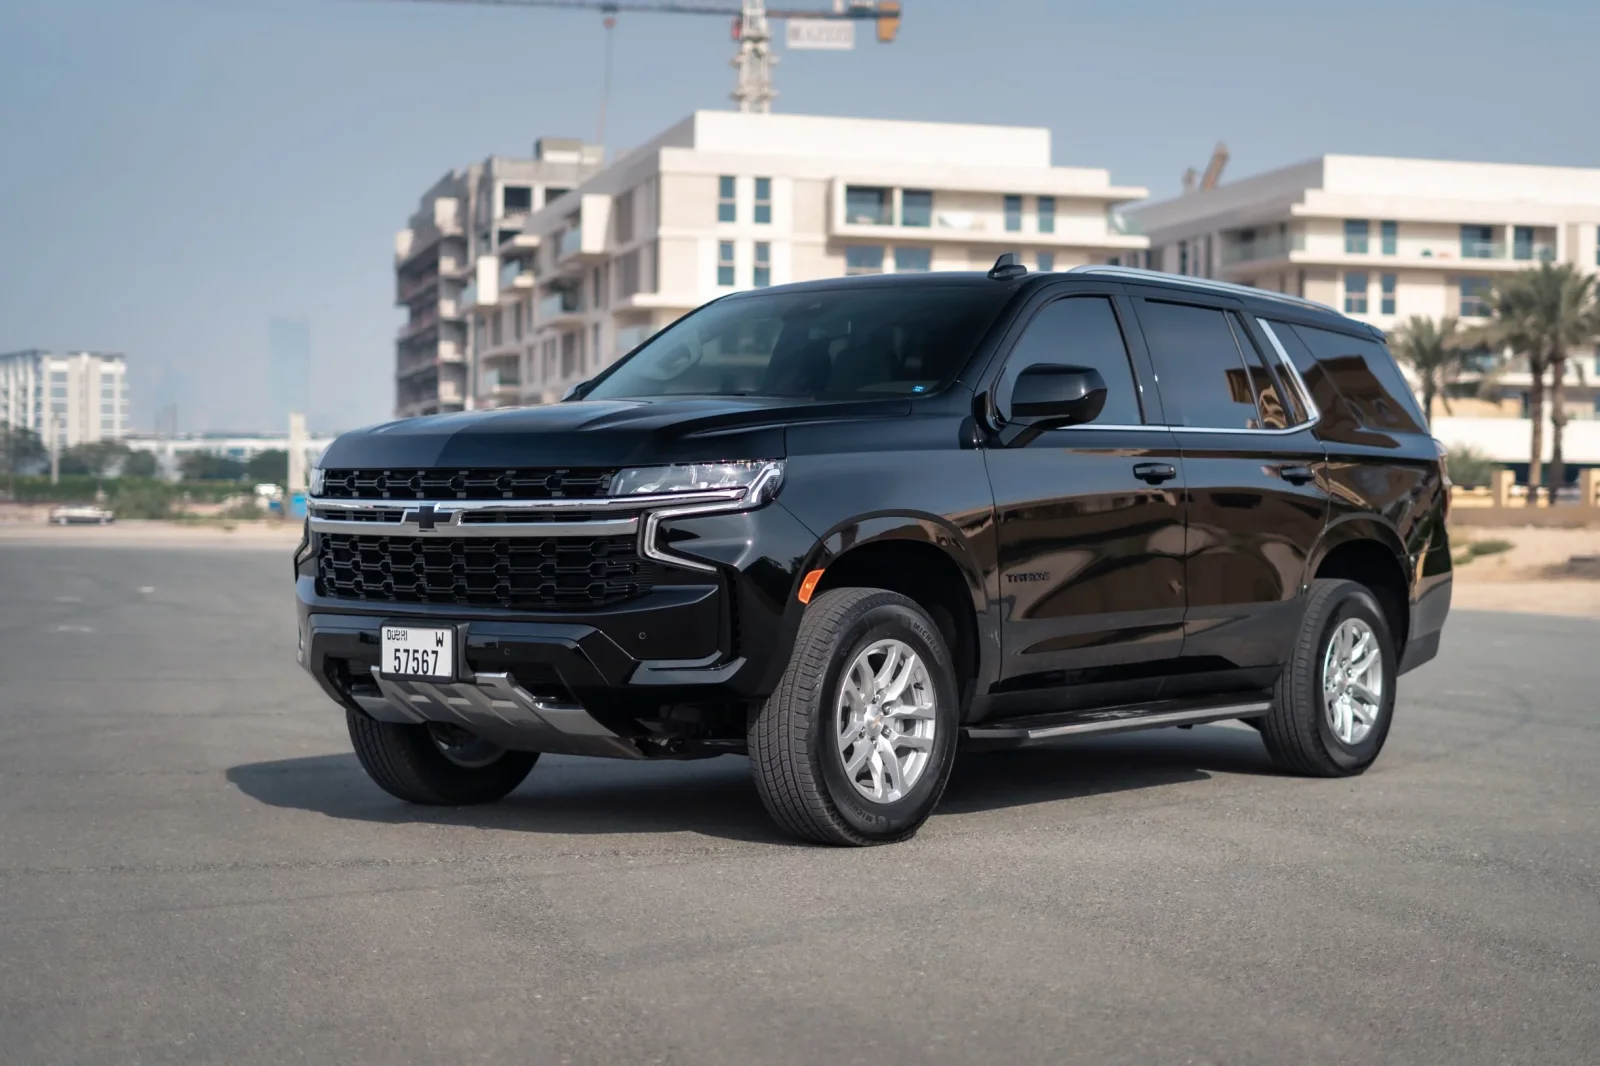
77, 514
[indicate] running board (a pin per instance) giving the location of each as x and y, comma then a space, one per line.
1120, 720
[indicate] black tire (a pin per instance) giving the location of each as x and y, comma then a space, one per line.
1296, 731
404, 761
794, 744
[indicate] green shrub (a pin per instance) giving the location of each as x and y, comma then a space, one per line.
1469, 467
145, 499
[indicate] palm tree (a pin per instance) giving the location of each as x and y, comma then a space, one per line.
1551, 311
1433, 352
1512, 325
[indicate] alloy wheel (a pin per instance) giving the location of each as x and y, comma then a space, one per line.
885, 721
1352, 681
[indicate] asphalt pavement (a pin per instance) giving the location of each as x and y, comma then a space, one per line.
193, 868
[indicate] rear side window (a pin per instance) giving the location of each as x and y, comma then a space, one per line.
1198, 366
1269, 398
1365, 374
1082, 331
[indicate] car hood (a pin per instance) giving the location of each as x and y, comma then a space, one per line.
596, 433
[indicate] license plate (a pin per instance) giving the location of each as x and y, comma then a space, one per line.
412, 651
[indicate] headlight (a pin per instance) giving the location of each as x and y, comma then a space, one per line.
761, 477
316, 481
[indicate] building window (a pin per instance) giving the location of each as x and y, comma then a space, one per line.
763, 268
516, 198
1047, 261
1597, 246
1390, 232
1355, 236
1047, 214
1183, 257
863, 259
1477, 242
867, 206
1013, 214
916, 207
727, 206
725, 264
1386, 285
1522, 242
913, 260
1475, 297
1355, 293
552, 193
764, 200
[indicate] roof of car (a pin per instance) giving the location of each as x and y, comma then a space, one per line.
1259, 300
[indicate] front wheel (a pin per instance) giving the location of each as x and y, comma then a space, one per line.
435, 765
1335, 698
856, 744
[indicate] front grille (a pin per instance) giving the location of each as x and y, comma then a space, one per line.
533, 572
467, 484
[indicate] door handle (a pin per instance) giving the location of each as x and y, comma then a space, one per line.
1296, 473
1154, 473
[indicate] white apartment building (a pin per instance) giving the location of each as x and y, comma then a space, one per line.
725, 201
1383, 239
67, 398
462, 218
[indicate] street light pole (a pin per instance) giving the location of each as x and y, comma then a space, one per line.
55, 450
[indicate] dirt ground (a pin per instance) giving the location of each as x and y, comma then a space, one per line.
1538, 575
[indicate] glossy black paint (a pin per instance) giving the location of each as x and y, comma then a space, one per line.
1097, 564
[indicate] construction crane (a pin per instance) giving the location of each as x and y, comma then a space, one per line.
754, 61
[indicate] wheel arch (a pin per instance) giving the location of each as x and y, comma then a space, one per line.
1368, 551
927, 559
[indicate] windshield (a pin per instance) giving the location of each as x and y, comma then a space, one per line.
838, 342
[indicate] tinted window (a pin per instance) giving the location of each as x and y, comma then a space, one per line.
1271, 411
1364, 374
832, 342
1198, 366
1082, 331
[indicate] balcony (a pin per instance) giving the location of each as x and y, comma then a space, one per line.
408, 289
562, 304
570, 242
418, 325
1477, 249
1258, 249
1537, 252
514, 274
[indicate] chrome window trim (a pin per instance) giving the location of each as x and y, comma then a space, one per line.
1313, 412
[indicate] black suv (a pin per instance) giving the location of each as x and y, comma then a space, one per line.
848, 527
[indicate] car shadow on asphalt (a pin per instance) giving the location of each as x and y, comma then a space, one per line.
716, 797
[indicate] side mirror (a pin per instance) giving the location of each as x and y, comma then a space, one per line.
1047, 396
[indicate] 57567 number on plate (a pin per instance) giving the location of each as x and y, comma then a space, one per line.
409, 651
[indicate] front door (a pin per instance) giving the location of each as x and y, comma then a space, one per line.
1256, 484
1090, 522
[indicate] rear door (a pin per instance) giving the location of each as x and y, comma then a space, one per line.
1255, 485
1090, 519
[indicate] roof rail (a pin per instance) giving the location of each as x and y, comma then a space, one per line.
1204, 284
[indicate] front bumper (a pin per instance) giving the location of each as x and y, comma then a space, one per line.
672, 672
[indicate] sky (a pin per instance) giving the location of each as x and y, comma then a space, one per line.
176, 173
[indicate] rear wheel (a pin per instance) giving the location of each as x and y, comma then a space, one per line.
436, 765
1335, 698
856, 744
